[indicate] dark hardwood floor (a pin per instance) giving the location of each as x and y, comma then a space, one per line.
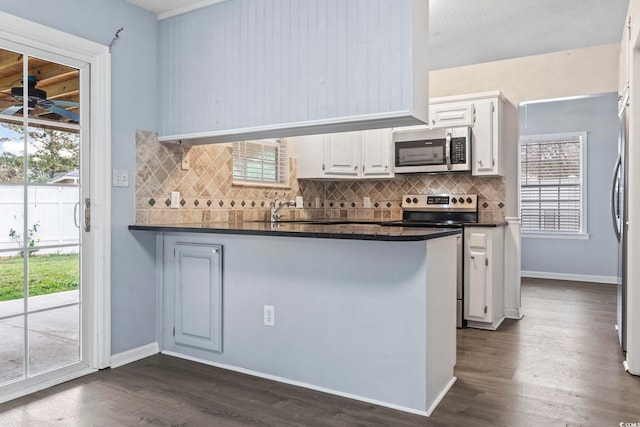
560, 365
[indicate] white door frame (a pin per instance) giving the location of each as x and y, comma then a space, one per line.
633, 155
98, 57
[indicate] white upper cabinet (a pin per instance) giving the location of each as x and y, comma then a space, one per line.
377, 153
346, 155
486, 137
449, 115
483, 112
245, 69
342, 153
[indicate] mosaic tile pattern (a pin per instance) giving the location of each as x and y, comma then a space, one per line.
208, 194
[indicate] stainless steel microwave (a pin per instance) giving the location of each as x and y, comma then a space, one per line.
432, 150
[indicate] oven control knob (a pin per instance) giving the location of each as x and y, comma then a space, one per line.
469, 200
408, 200
454, 200
415, 200
461, 200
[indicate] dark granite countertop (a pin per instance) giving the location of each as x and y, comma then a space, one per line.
487, 224
353, 230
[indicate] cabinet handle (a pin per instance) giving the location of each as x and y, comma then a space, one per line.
472, 257
480, 162
386, 167
355, 168
323, 166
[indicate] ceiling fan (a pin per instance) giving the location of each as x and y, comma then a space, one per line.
38, 98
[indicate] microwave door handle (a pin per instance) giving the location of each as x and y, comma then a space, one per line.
447, 149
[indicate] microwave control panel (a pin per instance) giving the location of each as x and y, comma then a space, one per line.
458, 151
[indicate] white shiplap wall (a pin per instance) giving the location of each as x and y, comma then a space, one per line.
285, 67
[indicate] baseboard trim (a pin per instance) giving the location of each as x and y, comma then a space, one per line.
511, 313
485, 326
441, 396
313, 387
35, 384
134, 354
573, 277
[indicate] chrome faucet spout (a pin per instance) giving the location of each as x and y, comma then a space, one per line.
274, 211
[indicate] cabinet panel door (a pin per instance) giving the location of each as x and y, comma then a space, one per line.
476, 292
453, 114
342, 153
484, 139
198, 296
376, 153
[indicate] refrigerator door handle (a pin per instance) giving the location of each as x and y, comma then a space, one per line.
614, 198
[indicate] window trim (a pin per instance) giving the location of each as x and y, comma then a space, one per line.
582, 136
283, 177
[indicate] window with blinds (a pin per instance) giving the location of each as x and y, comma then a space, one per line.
552, 183
261, 162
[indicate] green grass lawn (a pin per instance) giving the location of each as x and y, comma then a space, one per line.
47, 274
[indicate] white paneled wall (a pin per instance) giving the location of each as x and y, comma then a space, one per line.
269, 64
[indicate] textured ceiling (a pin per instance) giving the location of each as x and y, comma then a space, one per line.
465, 32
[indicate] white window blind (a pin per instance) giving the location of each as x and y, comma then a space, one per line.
261, 162
552, 183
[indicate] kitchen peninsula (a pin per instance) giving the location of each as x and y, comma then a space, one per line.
355, 309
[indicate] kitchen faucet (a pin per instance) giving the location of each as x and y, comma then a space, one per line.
275, 206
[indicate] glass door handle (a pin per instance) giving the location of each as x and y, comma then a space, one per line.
75, 214
87, 215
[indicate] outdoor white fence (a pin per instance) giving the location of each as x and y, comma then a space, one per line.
52, 207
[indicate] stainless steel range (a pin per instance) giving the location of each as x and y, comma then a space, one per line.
443, 210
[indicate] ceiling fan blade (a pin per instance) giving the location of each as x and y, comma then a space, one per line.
64, 113
61, 103
12, 110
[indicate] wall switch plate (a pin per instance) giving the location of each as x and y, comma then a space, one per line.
175, 200
299, 202
120, 178
269, 315
366, 202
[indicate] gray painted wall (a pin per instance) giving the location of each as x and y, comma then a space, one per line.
344, 320
597, 256
134, 107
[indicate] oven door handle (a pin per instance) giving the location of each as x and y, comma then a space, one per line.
447, 149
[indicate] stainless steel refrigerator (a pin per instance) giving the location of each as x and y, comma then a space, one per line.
619, 216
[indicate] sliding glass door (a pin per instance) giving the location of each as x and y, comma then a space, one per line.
43, 213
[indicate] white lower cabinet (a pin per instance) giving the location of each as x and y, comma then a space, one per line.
192, 296
484, 277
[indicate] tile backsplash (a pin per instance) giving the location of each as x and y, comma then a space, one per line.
207, 192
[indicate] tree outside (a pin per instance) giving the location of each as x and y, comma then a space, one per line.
52, 153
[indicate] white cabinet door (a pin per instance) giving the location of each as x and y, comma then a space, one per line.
485, 138
310, 153
451, 114
377, 153
342, 154
476, 292
194, 293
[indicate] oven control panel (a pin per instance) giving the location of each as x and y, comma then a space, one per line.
440, 202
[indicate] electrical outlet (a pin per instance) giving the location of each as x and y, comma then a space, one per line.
317, 202
185, 165
299, 202
366, 202
269, 315
175, 200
